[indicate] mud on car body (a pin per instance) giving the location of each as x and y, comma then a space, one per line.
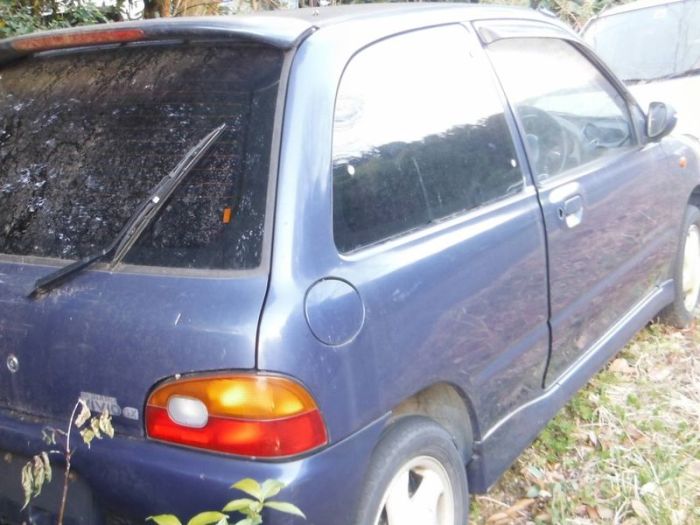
368, 251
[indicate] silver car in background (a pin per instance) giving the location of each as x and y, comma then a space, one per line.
654, 47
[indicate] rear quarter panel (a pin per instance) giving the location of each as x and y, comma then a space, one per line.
462, 303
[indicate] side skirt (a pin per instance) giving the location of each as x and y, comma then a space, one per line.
504, 442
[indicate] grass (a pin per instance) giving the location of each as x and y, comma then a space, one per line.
625, 450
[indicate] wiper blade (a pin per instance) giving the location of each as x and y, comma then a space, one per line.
632, 81
139, 221
686, 73
160, 195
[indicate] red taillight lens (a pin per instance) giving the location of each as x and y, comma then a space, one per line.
248, 415
77, 39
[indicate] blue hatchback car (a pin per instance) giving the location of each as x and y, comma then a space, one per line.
368, 251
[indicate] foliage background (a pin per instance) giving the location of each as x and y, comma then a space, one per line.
24, 16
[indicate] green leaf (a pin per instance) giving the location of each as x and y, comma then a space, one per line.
39, 475
84, 414
238, 504
285, 507
27, 483
95, 426
207, 518
106, 423
165, 519
47, 466
250, 487
271, 487
88, 435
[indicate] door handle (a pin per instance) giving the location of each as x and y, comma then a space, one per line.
571, 211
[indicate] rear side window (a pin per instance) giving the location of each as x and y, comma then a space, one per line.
419, 135
85, 136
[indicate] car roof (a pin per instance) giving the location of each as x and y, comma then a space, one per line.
635, 6
353, 13
282, 28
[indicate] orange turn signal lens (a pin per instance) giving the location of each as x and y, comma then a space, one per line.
77, 39
246, 414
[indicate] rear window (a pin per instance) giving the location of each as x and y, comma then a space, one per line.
85, 136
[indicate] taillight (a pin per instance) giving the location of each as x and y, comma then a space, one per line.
246, 414
77, 39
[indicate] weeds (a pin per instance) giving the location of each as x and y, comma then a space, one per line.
625, 450
251, 508
37, 472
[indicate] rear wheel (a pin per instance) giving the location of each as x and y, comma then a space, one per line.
417, 477
686, 273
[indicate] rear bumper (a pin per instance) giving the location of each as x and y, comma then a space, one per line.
135, 478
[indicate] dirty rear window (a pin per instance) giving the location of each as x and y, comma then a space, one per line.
85, 136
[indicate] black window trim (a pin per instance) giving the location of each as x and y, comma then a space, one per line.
425, 232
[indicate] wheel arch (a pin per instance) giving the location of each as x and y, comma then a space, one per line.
448, 406
694, 198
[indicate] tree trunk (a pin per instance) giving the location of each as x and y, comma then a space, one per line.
164, 8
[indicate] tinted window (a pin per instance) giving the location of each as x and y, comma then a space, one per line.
571, 114
419, 135
84, 137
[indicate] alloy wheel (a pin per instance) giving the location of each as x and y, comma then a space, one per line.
419, 494
691, 268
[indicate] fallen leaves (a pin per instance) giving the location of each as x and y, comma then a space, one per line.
625, 451
514, 511
621, 366
640, 510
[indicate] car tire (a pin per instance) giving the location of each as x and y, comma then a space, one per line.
686, 273
416, 477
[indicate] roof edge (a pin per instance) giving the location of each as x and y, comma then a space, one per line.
280, 32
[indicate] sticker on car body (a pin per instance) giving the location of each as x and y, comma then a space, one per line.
99, 403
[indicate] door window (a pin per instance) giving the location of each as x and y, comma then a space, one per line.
419, 135
570, 113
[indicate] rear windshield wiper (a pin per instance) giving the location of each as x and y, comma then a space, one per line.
139, 221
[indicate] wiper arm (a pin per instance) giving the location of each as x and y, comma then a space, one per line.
138, 222
632, 81
686, 73
160, 195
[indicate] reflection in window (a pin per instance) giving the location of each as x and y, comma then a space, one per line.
419, 136
571, 114
85, 137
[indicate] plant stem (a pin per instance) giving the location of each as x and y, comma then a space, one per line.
67, 455
64, 496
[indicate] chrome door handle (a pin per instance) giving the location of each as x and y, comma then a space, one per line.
571, 211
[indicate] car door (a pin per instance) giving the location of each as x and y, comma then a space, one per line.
608, 217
